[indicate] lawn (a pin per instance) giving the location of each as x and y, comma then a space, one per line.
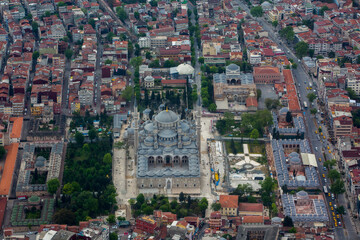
33, 213
238, 145
257, 148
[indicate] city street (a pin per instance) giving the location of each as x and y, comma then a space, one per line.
302, 80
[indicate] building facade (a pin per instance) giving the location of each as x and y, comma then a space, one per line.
168, 155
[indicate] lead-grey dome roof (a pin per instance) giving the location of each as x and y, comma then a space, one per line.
166, 116
233, 67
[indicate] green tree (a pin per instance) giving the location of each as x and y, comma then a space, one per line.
137, 15
64, 216
203, 204
288, 222
258, 94
111, 219
331, 54
92, 22
288, 33
136, 61
110, 36
338, 187
154, 3
148, 210
233, 147
257, 11
330, 163
2, 151
274, 209
268, 186
79, 138
92, 134
155, 64
272, 103
35, 55
140, 199
292, 230
53, 185
294, 65
352, 94
289, 117
35, 28
107, 158
311, 96
113, 236
108, 62
311, 52
301, 49
201, 60
334, 174
275, 23
68, 53
242, 190
127, 94
323, 9
120, 11
254, 134
70, 188
313, 111
340, 209
148, 55
216, 206
181, 197
212, 107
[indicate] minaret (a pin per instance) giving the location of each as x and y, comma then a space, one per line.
136, 128
198, 124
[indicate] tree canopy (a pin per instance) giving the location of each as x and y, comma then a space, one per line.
257, 11
311, 96
288, 33
301, 49
338, 186
53, 185
127, 94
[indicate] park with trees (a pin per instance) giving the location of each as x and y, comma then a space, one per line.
182, 207
87, 186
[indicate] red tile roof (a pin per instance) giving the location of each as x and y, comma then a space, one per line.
251, 207
6, 178
229, 201
253, 219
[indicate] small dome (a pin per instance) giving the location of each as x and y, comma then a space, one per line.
283, 110
185, 69
166, 116
40, 159
185, 138
295, 161
302, 195
233, 67
149, 79
149, 139
293, 154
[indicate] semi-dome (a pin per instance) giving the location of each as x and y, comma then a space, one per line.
185, 69
166, 116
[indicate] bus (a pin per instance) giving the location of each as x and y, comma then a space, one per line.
305, 104
325, 190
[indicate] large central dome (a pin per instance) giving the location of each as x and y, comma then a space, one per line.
166, 116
